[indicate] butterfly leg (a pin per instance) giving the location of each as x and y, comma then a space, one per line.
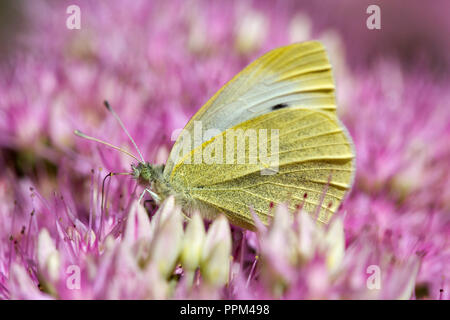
152, 194
185, 216
157, 199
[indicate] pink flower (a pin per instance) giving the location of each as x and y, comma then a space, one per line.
66, 235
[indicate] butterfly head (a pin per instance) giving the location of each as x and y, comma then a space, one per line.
145, 172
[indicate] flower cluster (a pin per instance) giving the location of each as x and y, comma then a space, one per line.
152, 259
159, 258
67, 233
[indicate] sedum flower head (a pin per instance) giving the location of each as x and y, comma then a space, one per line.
66, 235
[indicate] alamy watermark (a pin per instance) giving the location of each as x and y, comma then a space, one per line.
73, 281
234, 146
373, 281
374, 20
73, 21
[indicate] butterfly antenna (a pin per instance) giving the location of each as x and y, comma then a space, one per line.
84, 136
110, 175
123, 127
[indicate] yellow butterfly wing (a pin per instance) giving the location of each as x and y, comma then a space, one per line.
315, 168
289, 89
298, 74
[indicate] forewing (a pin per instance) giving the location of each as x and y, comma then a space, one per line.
295, 75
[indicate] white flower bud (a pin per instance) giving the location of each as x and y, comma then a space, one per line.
138, 224
168, 239
335, 243
215, 263
194, 239
48, 256
308, 235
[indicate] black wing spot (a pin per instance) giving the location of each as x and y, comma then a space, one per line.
279, 106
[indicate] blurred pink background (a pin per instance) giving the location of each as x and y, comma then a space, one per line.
157, 62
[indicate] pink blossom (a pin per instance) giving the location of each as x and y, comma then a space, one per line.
67, 234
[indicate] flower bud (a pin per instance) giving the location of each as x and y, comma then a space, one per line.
280, 239
215, 263
21, 286
335, 243
193, 241
138, 224
278, 251
307, 234
168, 239
164, 211
48, 256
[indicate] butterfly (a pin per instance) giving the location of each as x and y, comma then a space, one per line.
288, 92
